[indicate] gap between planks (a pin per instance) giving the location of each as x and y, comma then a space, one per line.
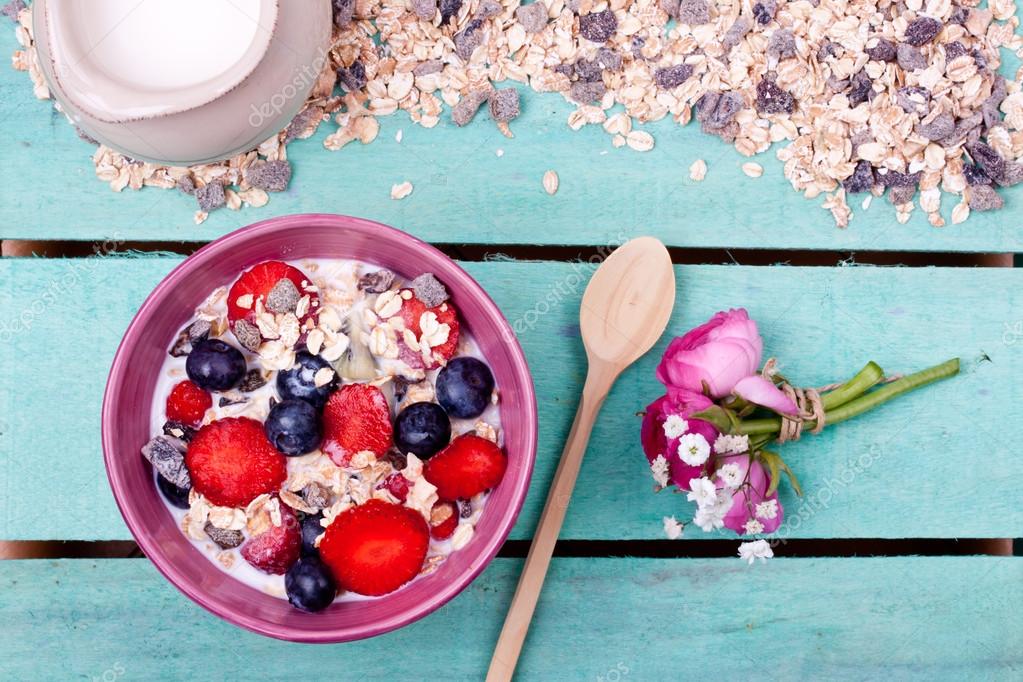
657, 549
525, 252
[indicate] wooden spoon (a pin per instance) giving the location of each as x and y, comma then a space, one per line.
624, 311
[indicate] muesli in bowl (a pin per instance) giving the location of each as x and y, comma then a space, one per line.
330, 413
323, 427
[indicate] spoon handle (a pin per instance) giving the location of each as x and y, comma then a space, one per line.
516, 623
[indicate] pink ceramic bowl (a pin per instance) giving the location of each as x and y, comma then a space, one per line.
129, 392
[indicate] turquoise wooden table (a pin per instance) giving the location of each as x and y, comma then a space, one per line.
917, 484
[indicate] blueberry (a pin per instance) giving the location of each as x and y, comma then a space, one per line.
215, 365
293, 426
422, 429
311, 529
310, 585
178, 497
464, 387
298, 382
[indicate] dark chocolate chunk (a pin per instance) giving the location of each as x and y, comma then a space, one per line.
987, 158
468, 39
693, 12
910, 58
167, 455
376, 282
672, 76
914, 100
764, 11
425, 9
985, 198
861, 88
881, 50
344, 10
782, 44
939, 128
598, 27
182, 432
224, 538
862, 179
735, 33
272, 176
186, 184
893, 178
252, 380
449, 9
429, 290
284, 297
901, 194
248, 335
954, 50
975, 175
533, 16
352, 77
582, 92
210, 196
504, 106
773, 100
922, 30
716, 110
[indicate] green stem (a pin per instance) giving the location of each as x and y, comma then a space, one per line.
864, 380
864, 402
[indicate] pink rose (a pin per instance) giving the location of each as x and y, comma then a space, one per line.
656, 441
718, 353
749, 502
723, 356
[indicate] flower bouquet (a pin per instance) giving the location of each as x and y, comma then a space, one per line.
709, 434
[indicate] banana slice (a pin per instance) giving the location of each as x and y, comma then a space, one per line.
357, 362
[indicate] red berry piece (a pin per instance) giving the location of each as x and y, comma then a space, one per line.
411, 312
356, 418
466, 467
443, 520
375, 548
277, 548
231, 462
397, 485
278, 285
187, 404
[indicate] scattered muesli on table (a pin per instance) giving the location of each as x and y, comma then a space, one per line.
864, 96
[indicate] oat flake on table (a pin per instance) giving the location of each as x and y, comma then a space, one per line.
865, 96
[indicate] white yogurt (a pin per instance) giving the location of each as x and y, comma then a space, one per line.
327, 274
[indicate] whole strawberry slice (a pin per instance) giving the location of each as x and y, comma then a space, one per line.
411, 312
187, 404
231, 461
277, 548
375, 548
466, 467
356, 418
277, 285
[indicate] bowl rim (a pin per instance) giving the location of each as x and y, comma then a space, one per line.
447, 591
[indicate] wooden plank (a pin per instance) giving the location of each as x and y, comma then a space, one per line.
908, 470
464, 193
603, 619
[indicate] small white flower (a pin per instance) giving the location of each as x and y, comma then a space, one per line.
758, 549
659, 468
767, 510
672, 528
675, 426
730, 474
754, 527
731, 445
710, 517
693, 449
702, 491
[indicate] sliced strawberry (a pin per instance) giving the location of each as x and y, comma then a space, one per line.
256, 284
356, 418
187, 404
276, 549
375, 548
231, 462
466, 467
397, 485
443, 520
411, 312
